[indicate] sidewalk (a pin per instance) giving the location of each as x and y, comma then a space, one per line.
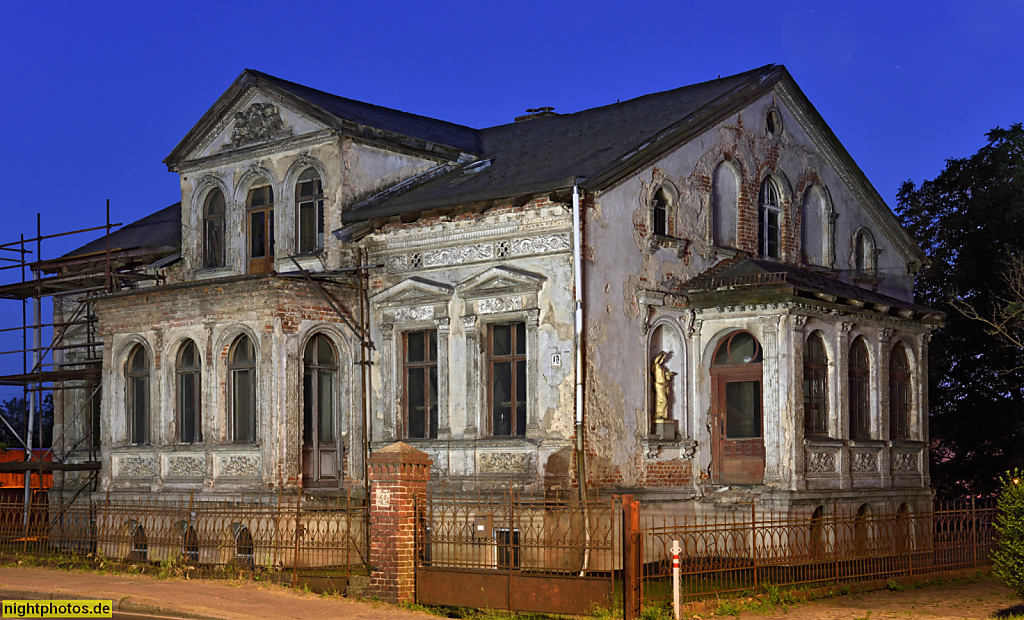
207, 598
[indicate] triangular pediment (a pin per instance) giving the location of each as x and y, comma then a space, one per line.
256, 118
500, 281
411, 292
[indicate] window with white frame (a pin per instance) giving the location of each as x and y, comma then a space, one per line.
769, 213
309, 208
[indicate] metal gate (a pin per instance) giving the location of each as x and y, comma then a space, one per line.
517, 553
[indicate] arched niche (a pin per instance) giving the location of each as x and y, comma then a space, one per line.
667, 382
725, 189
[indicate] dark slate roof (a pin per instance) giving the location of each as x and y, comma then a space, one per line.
434, 130
748, 272
160, 231
549, 152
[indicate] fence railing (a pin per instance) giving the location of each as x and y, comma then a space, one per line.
322, 537
753, 548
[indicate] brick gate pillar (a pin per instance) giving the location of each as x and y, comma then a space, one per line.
399, 475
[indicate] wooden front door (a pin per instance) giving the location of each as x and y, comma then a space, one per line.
737, 441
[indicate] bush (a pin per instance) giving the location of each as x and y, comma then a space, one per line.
1008, 558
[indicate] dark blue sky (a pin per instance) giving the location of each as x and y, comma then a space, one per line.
96, 94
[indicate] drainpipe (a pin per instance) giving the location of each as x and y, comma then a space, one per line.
577, 265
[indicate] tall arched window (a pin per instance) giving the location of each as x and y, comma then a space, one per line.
260, 207
864, 252
137, 384
859, 380
661, 204
815, 387
769, 209
724, 205
319, 411
190, 403
899, 393
242, 390
309, 207
213, 230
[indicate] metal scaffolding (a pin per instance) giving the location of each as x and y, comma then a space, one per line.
73, 358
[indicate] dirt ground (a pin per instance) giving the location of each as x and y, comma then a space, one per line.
951, 601
232, 600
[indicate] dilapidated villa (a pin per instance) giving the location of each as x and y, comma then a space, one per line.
693, 296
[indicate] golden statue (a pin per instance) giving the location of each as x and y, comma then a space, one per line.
662, 380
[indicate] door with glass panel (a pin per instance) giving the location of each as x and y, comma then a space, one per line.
737, 442
320, 454
260, 213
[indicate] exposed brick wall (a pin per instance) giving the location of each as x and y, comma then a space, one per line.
399, 475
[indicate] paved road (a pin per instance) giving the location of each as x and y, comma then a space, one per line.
140, 596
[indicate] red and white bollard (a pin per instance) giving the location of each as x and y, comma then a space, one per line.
675, 577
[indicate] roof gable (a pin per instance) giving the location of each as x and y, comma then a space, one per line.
322, 109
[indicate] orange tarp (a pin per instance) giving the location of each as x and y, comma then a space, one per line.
10, 480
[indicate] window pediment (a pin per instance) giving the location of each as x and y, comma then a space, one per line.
500, 281
412, 292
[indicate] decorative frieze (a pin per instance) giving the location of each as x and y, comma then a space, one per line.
186, 466
238, 465
458, 255
904, 463
862, 462
504, 463
499, 304
820, 462
136, 466
410, 315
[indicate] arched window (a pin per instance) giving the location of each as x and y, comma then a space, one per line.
319, 411
309, 206
815, 387
190, 389
769, 209
213, 230
260, 207
242, 390
817, 546
724, 205
244, 545
899, 393
137, 380
661, 204
864, 252
859, 380
189, 544
140, 545
815, 227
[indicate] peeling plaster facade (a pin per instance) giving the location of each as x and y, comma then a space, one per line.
460, 273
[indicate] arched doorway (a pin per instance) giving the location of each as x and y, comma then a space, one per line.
737, 442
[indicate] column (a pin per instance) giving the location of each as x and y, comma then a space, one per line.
473, 379
444, 430
770, 397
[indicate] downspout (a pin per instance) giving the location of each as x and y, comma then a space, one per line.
581, 459
577, 265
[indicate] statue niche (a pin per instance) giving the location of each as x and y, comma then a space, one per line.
666, 388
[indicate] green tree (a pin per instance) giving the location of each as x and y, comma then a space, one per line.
1008, 558
15, 411
970, 222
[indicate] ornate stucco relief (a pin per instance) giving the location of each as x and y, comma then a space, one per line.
503, 463
239, 466
186, 466
820, 462
499, 304
458, 255
136, 466
259, 122
865, 462
904, 462
409, 315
